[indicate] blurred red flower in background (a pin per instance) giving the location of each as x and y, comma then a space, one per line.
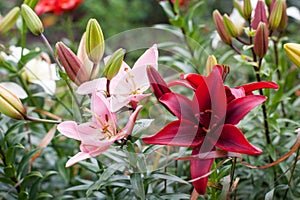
56, 6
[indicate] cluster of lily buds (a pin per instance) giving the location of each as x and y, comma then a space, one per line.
11, 105
260, 21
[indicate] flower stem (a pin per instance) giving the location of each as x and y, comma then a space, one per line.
232, 171
60, 67
292, 173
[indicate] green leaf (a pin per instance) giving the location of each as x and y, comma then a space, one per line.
170, 177
139, 128
167, 8
25, 59
137, 185
177, 21
44, 195
131, 154
24, 164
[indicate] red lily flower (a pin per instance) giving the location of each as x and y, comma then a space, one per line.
207, 121
56, 6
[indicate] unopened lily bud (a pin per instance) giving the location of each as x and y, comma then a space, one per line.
32, 21
210, 63
230, 26
71, 63
276, 15
268, 2
261, 41
247, 9
284, 18
293, 52
9, 20
114, 64
239, 7
31, 3
260, 15
11, 105
94, 41
219, 24
157, 83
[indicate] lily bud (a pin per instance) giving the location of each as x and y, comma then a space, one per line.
276, 15
219, 24
94, 41
210, 63
9, 20
239, 8
284, 18
293, 52
73, 66
261, 41
260, 15
114, 64
230, 26
31, 3
32, 21
157, 83
247, 9
11, 105
268, 2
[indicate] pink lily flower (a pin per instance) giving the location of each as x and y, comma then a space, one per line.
129, 84
97, 135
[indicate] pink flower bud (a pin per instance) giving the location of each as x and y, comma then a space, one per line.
261, 40
260, 15
219, 24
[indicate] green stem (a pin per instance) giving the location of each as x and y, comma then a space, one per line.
292, 173
61, 68
233, 165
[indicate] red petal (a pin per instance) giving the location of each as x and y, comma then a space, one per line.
195, 80
232, 139
180, 105
238, 108
198, 169
178, 133
210, 95
157, 83
258, 85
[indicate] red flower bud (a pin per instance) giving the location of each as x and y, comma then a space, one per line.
260, 15
158, 85
219, 24
73, 66
261, 40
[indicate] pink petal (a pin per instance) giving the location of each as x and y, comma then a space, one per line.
178, 133
130, 124
200, 168
78, 157
150, 57
238, 108
260, 15
92, 86
69, 129
101, 108
179, 105
232, 139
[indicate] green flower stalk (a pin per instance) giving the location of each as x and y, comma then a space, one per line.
94, 41
9, 20
11, 105
32, 21
247, 9
31, 3
219, 24
71, 63
293, 52
114, 64
276, 14
261, 41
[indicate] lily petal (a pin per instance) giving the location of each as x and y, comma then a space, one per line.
199, 168
90, 87
178, 133
15, 88
257, 86
150, 57
69, 129
179, 105
238, 108
232, 139
78, 157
